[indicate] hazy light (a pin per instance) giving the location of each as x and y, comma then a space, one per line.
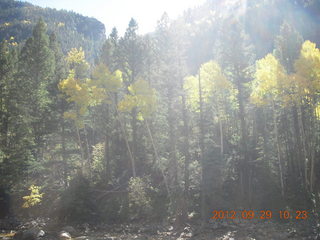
118, 12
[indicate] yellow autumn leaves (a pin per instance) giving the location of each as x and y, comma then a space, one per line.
34, 198
85, 92
142, 96
213, 84
76, 86
272, 81
308, 69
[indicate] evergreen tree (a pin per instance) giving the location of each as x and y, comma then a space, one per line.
59, 105
131, 55
287, 46
110, 51
36, 68
235, 54
14, 129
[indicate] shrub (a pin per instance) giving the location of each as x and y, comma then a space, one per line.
77, 204
34, 198
139, 200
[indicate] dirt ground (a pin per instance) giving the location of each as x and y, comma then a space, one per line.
215, 230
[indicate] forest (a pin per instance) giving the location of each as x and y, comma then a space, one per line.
206, 128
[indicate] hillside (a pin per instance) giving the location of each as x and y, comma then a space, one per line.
261, 21
74, 30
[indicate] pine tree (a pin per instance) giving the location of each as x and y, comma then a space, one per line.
59, 105
235, 55
36, 67
110, 51
131, 55
287, 50
287, 46
14, 129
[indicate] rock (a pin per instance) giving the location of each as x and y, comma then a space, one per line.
175, 234
148, 229
142, 238
117, 230
30, 234
86, 227
81, 238
182, 235
9, 223
41, 233
69, 229
112, 238
189, 235
64, 235
187, 229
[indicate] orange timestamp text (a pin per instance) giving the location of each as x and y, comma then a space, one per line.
263, 214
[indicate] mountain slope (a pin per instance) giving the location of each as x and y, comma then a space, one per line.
261, 21
73, 30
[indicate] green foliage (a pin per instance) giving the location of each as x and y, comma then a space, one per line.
192, 88
33, 109
139, 200
131, 53
287, 46
13, 125
76, 203
98, 160
74, 30
36, 66
110, 52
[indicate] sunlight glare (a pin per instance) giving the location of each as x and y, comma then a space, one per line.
146, 12
117, 13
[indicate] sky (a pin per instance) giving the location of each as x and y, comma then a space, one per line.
117, 13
